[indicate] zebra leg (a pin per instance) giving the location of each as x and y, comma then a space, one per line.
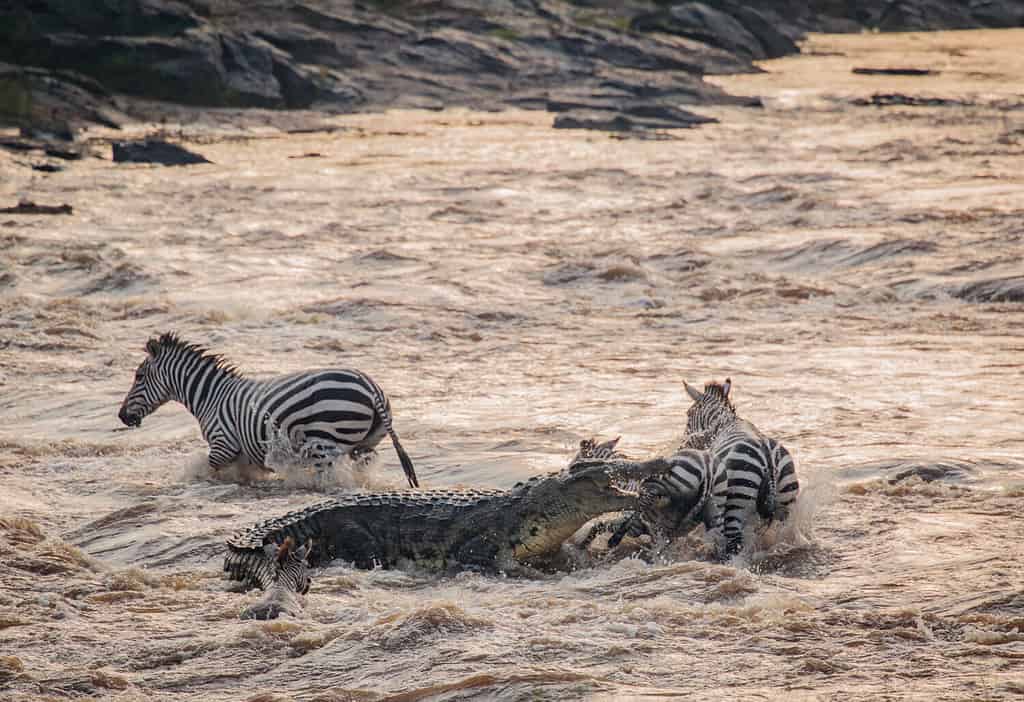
323, 454
632, 525
221, 454
737, 517
713, 516
602, 527
362, 456
713, 513
788, 485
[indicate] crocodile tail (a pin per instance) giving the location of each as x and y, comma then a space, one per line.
410, 472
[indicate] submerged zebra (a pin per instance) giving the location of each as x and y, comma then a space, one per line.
284, 575
761, 474
323, 413
691, 491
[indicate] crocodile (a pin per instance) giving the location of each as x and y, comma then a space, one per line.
516, 530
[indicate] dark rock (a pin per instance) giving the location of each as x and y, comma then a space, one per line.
630, 118
97, 18
31, 208
154, 151
309, 46
1010, 289
602, 121
895, 72
898, 99
249, 72
47, 167
66, 154
355, 55
19, 145
775, 42
666, 115
56, 130
697, 21
48, 103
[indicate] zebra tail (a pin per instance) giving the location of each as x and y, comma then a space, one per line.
410, 472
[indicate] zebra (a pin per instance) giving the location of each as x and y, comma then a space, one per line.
693, 490
590, 450
284, 575
323, 413
761, 473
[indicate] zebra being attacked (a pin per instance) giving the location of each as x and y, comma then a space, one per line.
761, 474
324, 414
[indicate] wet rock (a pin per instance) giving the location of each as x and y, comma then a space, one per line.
306, 45
630, 118
895, 72
919, 15
771, 34
30, 208
47, 104
1010, 289
63, 153
697, 21
898, 99
446, 52
154, 151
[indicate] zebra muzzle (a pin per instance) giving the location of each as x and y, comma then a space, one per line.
130, 420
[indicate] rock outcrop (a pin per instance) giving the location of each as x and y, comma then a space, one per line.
608, 60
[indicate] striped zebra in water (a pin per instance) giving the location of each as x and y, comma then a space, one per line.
323, 413
590, 450
284, 575
692, 491
761, 474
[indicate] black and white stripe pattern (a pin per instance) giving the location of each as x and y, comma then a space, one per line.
590, 450
693, 491
669, 505
761, 474
284, 574
322, 413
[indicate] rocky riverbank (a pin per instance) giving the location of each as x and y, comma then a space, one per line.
619, 65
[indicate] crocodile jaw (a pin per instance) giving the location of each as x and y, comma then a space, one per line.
541, 536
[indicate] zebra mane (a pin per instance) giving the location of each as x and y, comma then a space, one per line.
170, 341
718, 392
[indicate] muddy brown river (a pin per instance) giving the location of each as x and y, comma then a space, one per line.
852, 256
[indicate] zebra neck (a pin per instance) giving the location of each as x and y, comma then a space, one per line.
724, 427
205, 390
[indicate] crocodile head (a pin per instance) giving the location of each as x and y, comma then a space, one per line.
554, 507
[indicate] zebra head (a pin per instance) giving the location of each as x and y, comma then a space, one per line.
291, 565
590, 450
709, 411
151, 388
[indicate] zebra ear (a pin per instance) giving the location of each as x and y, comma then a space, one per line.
610, 445
726, 387
152, 346
696, 395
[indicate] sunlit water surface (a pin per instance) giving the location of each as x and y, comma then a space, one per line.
516, 288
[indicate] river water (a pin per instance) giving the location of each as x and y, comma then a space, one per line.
855, 269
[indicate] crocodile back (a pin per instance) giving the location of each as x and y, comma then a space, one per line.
376, 511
